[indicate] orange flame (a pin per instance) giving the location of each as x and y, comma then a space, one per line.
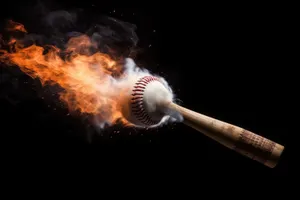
86, 80
15, 26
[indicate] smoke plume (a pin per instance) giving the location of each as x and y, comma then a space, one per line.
88, 59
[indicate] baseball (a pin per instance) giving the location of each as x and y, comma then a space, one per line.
145, 102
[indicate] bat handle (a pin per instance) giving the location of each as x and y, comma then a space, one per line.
238, 139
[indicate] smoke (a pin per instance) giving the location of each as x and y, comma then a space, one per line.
89, 59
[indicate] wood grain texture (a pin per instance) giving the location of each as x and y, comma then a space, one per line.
236, 138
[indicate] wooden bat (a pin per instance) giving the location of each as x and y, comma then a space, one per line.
149, 90
242, 141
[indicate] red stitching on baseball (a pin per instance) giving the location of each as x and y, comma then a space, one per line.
137, 103
139, 87
141, 84
135, 94
138, 90
136, 98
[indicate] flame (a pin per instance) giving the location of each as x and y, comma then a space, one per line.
87, 80
15, 26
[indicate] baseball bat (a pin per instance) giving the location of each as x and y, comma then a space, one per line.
242, 141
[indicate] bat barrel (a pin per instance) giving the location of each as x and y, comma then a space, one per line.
238, 139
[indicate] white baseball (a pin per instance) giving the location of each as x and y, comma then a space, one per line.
147, 95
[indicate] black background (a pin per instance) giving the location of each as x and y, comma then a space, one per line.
222, 60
